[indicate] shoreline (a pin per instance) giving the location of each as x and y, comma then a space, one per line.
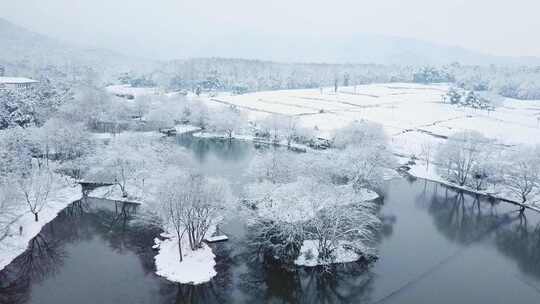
470, 191
408, 172
13, 245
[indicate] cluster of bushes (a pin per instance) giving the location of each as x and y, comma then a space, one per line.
472, 99
305, 208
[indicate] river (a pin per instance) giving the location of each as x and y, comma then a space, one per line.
436, 246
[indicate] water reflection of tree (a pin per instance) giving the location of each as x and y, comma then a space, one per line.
79, 221
222, 148
521, 242
44, 256
118, 223
464, 218
269, 282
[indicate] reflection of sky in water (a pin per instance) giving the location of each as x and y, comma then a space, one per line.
437, 247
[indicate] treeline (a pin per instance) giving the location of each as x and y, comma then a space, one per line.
256, 75
239, 75
514, 82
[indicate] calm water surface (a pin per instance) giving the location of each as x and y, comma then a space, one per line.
437, 246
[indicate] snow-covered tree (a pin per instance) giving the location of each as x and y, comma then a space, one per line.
460, 154
351, 227
192, 204
36, 186
285, 215
426, 152
123, 162
453, 96
275, 166
359, 133
227, 120
281, 127
522, 174
31, 107
16, 151
62, 140
93, 107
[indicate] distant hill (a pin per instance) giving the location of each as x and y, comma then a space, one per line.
342, 48
21, 46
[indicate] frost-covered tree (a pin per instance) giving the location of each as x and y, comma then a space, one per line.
432, 75
351, 227
35, 187
275, 166
285, 215
363, 155
195, 113
363, 166
123, 163
460, 154
192, 204
359, 133
281, 127
227, 120
426, 152
16, 151
174, 211
62, 140
522, 173
32, 106
453, 96
93, 107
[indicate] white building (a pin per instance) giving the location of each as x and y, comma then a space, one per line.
16, 83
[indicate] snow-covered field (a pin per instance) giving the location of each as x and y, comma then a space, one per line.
414, 117
412, 114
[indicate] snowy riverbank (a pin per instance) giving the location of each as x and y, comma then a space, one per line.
255, 139
413, 116
14, 243
420, 170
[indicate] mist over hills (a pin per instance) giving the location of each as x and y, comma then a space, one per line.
22, 45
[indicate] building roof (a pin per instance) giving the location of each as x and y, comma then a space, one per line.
11, 80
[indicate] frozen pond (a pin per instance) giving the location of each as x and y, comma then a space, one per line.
437, 246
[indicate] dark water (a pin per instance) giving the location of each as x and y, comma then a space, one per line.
437, 246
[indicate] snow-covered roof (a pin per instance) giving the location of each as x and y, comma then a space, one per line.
16, 80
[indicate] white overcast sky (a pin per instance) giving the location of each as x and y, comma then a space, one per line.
499, 27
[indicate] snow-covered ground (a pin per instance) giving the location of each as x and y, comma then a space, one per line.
414, 116
64, 193
411, 114
196, 267
310, 251
124, 89
184, 129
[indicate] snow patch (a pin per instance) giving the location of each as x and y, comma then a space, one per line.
196, 267
182, 129
309, 253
